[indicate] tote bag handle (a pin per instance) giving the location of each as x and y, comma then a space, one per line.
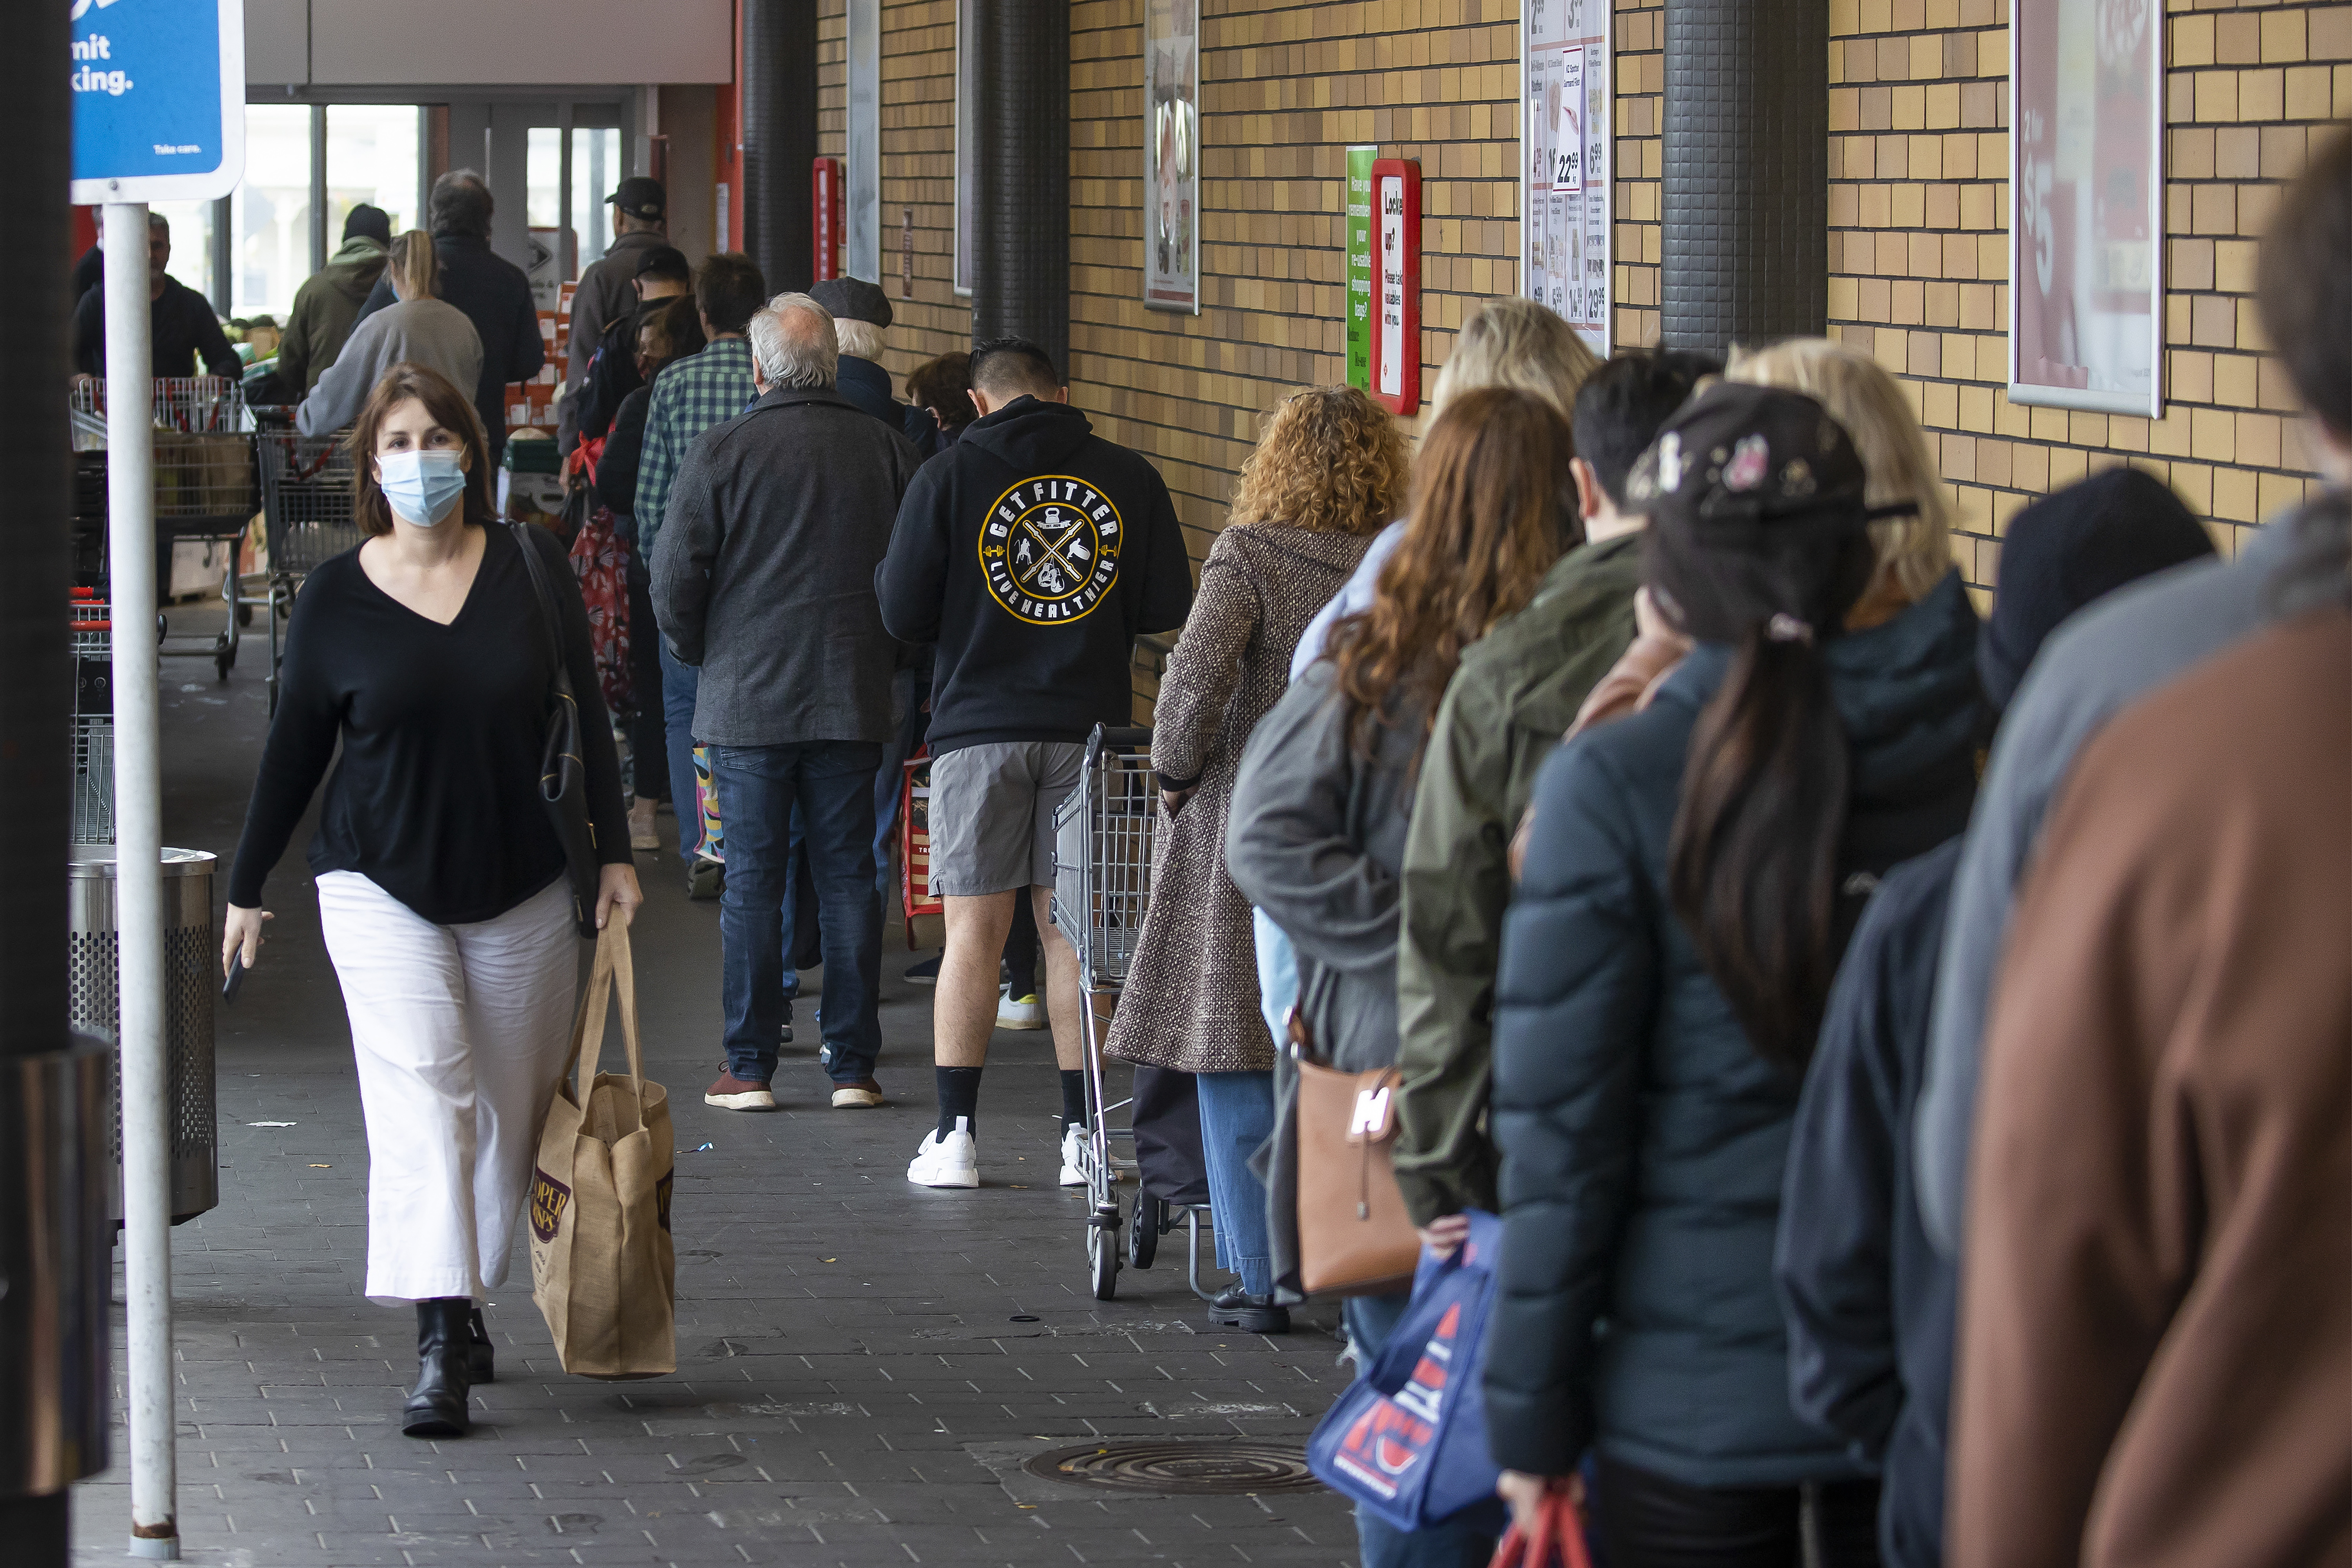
614, 966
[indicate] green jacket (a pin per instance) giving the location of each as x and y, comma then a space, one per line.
1516, 693
324, 308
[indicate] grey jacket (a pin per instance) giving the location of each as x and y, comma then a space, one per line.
2091, 668
1316, 839
764, 570
419, 331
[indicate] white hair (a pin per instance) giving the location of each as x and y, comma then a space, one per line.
793, 344
862, 340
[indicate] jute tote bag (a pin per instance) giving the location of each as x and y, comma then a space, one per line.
602, 1266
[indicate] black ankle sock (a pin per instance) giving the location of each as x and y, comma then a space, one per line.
959, 1096
1073, 1098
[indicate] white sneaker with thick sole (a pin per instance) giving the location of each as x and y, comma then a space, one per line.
1074, 1138
1019, 1012
949, 1161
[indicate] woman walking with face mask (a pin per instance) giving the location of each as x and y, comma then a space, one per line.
442, 887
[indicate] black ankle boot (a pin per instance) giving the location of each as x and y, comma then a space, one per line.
480, 1360
436, 1406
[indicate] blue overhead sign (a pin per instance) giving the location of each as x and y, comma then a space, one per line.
158, 98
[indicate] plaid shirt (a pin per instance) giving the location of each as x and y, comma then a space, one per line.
689, 397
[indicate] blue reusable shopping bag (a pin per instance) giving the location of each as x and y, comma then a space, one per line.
1407, 1439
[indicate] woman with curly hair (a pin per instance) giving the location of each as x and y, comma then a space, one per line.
1330, 471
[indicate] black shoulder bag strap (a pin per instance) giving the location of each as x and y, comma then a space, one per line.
562, 764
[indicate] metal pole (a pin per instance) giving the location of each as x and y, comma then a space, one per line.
139, 886
320, 245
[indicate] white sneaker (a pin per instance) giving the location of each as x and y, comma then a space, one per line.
1074, 1138
951, 1161
1019, 1012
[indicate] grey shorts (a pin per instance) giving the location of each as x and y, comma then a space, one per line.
992, 815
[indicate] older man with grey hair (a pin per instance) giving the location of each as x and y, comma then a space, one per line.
763, 576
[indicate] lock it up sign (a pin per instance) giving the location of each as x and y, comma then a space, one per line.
1396, 284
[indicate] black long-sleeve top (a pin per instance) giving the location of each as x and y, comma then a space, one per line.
616, 471
437, 798
185, 337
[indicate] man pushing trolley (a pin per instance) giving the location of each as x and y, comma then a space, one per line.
1032, 552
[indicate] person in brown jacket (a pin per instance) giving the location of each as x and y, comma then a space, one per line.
2154, 1364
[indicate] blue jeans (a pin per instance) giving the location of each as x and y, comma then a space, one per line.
832, 784
1236, 1118
1452, 1544
680, 680
889, 782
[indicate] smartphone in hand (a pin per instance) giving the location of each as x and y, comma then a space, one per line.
235, 978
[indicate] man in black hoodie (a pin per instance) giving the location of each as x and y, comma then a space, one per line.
1031, 552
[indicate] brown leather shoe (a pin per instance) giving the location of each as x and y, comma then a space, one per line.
732, 1093
862, 1095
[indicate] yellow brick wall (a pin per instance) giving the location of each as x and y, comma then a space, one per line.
1918, 248
1285, 89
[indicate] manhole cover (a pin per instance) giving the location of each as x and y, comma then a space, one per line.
1221, 1469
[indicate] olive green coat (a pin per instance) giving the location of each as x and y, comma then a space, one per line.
1514, 696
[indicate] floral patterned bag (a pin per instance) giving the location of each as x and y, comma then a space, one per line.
600, 559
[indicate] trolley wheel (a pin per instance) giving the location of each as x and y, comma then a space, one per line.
245, 614
225, 661
1102, 1252
1143, 1242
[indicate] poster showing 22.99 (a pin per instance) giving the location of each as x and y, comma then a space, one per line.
1171, 155
1564, 174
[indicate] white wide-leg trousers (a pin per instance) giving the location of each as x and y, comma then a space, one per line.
461, 1033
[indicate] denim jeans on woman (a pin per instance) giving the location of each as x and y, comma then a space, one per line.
1369, 1321
1236, 1119
832, 782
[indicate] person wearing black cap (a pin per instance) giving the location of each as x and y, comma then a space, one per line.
329, 301
662, 276
1870, 1303
861, 314
1704, 862
605, 294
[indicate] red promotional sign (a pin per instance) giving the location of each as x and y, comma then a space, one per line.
1396, 284
2086, 192
825, 219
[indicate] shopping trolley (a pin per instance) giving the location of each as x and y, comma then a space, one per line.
305, 511
204, 481
1103, 834
92, 627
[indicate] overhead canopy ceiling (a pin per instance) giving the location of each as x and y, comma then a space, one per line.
478, 43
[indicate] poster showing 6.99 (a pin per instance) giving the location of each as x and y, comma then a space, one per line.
1565, 69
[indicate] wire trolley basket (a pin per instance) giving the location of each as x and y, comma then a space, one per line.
204, 479
1104, 831
305, 508
93, 719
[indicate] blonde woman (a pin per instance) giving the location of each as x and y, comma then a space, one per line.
1330, 472
419, 331
1914, 553
1514, 343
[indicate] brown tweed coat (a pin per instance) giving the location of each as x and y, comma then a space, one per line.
1191, 1001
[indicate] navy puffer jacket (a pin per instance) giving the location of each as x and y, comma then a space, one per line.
1642, 1138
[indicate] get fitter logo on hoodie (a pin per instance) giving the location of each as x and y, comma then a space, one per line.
1050, 548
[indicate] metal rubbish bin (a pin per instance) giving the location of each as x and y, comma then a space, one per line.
188, 987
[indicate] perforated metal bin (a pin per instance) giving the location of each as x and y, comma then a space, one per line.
188, 987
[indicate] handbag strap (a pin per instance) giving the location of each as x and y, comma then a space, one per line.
545, 594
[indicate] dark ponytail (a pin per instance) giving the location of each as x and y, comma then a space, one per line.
1752, 863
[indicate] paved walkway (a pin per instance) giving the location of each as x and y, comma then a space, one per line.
863, 1364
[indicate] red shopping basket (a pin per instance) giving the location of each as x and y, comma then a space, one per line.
915, 852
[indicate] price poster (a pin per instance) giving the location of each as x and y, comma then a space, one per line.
1564, 209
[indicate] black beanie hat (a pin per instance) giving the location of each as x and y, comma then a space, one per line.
2070, 548
372, 222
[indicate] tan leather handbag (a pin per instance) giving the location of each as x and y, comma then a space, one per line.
1354, 1238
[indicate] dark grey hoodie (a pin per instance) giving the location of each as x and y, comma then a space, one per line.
1031, 552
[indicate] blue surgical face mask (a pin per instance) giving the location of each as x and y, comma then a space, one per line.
422, 487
